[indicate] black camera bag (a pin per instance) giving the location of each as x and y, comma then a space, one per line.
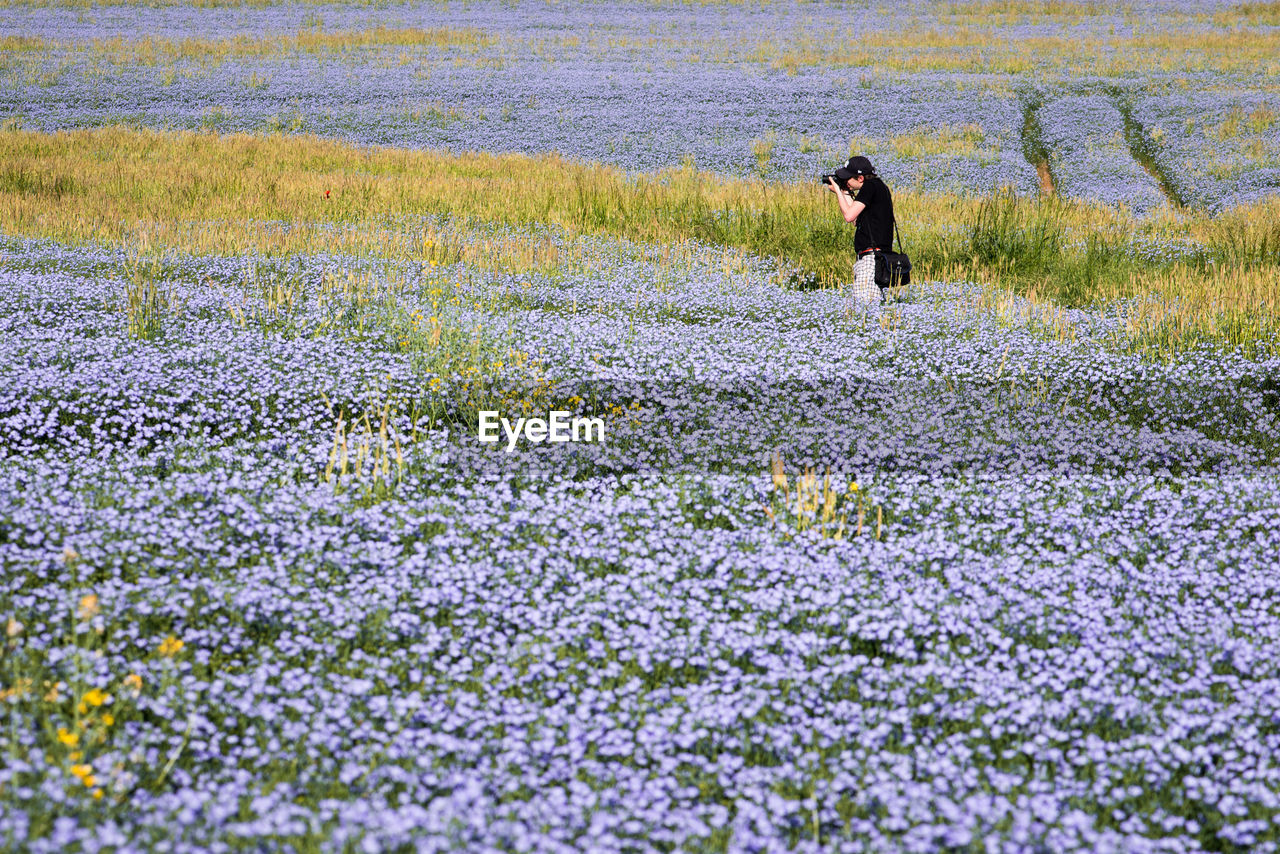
893, 268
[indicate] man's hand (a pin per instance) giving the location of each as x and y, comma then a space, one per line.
831, 182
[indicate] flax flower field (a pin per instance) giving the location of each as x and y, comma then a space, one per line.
992, 566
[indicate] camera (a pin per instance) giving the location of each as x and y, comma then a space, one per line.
842, 183
852, 168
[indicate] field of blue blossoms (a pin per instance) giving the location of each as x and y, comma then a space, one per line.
1050, 622
649, 85
263, 589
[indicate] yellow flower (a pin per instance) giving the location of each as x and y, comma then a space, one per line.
70, 739
13, 628
108, 719
69, 554
96, 697
170, 646
81, 771
97, 794
88, 608
134, 683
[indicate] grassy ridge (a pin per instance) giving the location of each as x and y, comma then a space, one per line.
107, 185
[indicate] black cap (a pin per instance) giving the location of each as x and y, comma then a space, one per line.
854, 167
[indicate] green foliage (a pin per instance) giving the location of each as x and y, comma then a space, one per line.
1006, 234
1254, 248
30, 183
146, 301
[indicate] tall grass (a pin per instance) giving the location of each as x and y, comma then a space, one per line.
205, 193
145, 300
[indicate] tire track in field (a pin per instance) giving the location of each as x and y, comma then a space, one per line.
1145, 149
1046, 156
1082, 147
1033, 147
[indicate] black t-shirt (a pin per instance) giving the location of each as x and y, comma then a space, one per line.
874, 227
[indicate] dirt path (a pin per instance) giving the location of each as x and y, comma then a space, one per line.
1046, 180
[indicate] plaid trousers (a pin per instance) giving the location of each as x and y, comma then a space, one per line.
865, 289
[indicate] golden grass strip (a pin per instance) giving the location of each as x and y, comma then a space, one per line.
21, 44
86, 184
987, 50
119, 175
984, 9
150, 50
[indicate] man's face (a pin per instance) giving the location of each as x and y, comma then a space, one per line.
855, 183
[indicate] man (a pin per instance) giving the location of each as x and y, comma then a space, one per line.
868, 204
